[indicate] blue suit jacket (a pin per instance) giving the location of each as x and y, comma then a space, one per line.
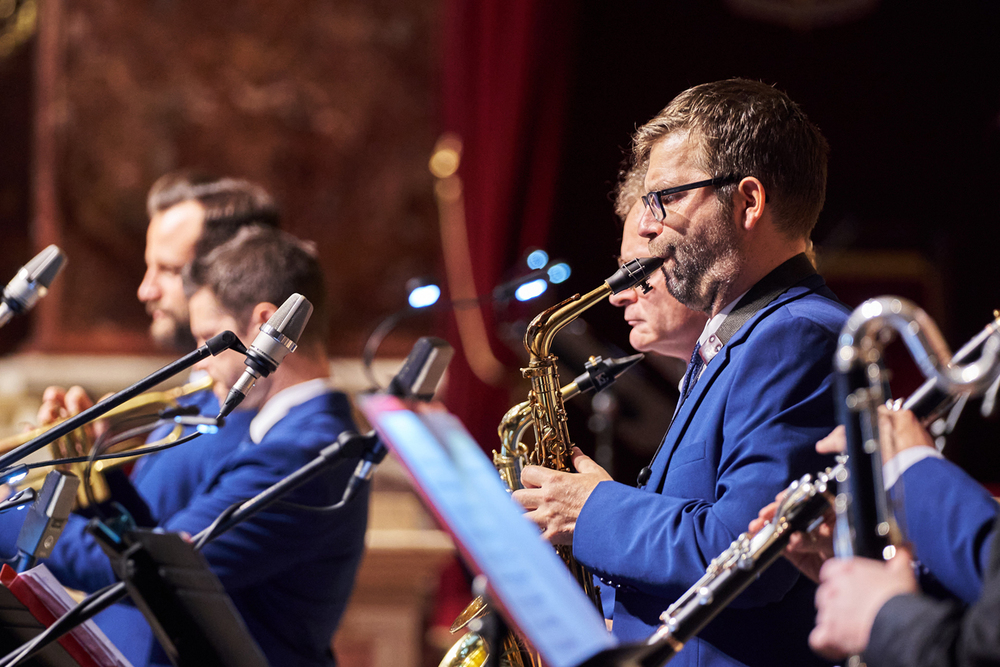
747, 429
949, 519
288, 571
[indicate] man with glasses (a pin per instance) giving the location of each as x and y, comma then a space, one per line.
735, 183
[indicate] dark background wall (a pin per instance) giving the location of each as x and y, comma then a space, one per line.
336, 108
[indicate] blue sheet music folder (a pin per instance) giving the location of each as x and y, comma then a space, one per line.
458, 482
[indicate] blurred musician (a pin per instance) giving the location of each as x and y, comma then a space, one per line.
188, 212
288, 570
735, 182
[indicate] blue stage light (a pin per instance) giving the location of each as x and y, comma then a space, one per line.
537, 259
14, 474
531, 289
423, 296
559, 273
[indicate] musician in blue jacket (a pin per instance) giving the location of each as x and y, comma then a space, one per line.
951, 528
735, 183
949, 532
289, 570
189, 212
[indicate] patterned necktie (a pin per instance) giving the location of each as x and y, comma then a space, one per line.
691, 376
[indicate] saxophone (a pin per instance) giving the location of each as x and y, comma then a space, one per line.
552, 448
806, 500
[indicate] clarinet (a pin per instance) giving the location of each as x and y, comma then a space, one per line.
865, 526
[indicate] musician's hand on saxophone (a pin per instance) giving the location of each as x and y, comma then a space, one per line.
554, 499
851, 592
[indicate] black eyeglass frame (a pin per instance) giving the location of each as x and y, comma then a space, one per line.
657, 209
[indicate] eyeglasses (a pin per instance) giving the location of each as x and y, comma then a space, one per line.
654, 202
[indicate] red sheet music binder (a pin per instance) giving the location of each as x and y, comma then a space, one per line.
44, 597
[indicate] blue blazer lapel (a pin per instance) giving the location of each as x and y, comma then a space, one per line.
682, 421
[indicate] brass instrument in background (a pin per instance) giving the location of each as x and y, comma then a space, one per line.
552, 448
807, 500
144, 404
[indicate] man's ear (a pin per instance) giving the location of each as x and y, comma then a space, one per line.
262, 312
749, 199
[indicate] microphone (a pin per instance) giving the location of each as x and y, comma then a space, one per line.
423, 369
46, 518
417, 379
277, 338
31, 283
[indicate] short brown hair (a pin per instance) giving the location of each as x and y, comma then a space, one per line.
229, 203
262, 264
628, 190
748, 128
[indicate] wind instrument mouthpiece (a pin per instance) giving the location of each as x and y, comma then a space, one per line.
634, 273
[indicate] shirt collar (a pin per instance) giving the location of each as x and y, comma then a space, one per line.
710, 343
278, 406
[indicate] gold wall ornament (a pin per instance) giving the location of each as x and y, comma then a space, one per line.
18, 20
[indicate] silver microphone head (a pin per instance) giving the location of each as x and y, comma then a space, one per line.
31, 283
45, 266
279, 335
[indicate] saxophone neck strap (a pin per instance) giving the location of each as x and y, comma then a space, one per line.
767, 289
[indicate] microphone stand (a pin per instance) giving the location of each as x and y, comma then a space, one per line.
348, 445
226, 340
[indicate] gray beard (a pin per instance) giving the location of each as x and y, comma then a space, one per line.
704, 266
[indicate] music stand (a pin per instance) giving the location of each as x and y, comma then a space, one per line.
18, 626
188, 609
528, 581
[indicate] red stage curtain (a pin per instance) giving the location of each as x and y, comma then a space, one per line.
505, 84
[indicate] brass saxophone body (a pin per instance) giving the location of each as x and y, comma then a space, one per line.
546, 412
553, 445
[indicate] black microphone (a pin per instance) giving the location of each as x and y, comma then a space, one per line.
417, 379
46, 518
277, 338
31, 283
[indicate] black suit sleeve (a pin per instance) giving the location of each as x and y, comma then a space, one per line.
918, 631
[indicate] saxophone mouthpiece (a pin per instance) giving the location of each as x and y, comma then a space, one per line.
634, 273
601, 373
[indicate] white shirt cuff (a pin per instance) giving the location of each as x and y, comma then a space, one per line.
902, 462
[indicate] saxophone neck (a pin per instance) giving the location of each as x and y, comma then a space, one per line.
543, 329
